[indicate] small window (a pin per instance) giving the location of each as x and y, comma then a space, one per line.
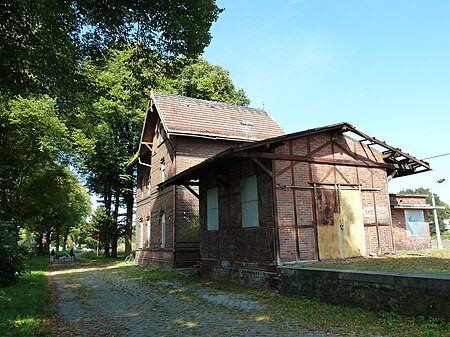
141, 233
163, 230
249, 202
415, 222
212, 205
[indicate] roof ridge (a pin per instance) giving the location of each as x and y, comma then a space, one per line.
205, 101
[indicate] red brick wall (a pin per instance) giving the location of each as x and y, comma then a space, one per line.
401, 239
178, 204
297, 224
231, 244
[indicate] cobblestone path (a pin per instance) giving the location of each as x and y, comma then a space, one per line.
101, 301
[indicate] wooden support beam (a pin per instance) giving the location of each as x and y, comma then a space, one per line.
282, 156
264, 168
189, 188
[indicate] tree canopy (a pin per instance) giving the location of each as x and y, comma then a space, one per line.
75, 78
42, 42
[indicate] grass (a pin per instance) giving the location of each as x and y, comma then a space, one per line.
26, 305
417, 262
93, 256
308, 314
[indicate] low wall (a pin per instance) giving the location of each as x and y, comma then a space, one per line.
410, 294
244, 274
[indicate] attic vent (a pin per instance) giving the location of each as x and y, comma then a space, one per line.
212, 106
246, 123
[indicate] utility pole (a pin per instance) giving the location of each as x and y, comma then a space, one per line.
436, 221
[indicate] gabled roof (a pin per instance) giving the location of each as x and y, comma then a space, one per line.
200, 118
397, 163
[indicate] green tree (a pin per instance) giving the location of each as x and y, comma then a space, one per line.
119, 87
441, 213
53, 202
203, 80
32, 136
11, 255
41, 42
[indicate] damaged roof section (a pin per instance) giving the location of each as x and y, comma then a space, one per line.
396, 162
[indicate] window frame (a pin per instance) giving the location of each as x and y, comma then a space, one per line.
249, 202
212, 211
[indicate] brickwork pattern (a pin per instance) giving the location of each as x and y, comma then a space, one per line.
371, 290
295, 196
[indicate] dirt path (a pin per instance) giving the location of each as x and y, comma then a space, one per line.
94, 300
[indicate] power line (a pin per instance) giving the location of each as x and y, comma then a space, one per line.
441, 155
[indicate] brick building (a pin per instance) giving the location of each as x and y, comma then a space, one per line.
410, 224
312, 195
178, 133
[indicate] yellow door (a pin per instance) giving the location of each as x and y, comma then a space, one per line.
340, 226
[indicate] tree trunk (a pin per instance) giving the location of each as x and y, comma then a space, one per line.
129, 201
115, 222
57, 240
41, 246
107, 225
114, 241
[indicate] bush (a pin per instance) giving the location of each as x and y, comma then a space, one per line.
11, 255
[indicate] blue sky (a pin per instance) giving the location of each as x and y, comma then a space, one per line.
381, 65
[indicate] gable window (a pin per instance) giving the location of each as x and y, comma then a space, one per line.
163, 230
249, 202
141, 233
212, 205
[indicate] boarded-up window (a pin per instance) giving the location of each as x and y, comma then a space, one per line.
249, 202
212, 204
415, 222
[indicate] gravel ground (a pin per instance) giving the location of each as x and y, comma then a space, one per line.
94, 300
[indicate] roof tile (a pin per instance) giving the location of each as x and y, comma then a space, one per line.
196, 117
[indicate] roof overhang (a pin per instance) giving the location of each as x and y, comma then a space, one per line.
396, 162
423, 207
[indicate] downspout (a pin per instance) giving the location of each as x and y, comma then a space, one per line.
174, 216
